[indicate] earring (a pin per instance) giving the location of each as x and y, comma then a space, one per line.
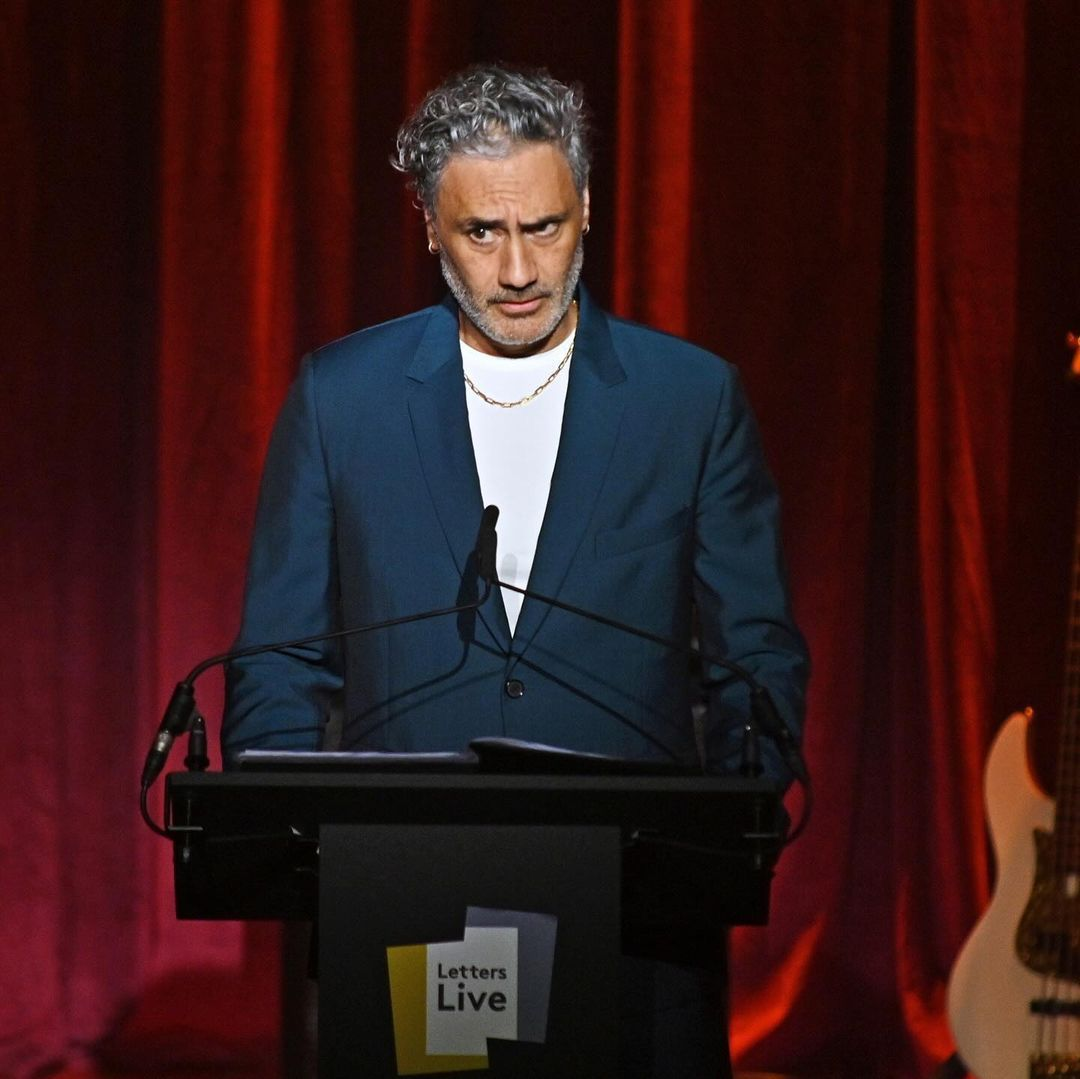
585, 230
432, 247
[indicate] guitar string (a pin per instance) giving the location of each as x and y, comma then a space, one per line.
1063, 881
1058, 904
1067, 846
1069, 717
1056, 1026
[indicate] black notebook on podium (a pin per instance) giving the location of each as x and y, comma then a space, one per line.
484, 755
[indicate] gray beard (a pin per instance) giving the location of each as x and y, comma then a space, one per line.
476, 311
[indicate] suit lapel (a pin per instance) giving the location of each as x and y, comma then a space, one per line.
440, 423
593, 412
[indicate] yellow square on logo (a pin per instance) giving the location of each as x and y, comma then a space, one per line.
408, 999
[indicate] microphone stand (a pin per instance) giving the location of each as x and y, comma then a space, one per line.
182, 715
763, 710
763, 717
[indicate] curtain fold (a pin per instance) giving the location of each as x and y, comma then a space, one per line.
654, 199
968, 104
868, 208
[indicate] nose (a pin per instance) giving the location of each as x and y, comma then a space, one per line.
517, 270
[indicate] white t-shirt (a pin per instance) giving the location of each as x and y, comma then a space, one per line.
515, 451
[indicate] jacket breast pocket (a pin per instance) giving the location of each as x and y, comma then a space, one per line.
617, 541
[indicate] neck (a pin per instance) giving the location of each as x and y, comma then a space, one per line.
475, 337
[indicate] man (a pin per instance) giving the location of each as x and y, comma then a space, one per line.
625, 464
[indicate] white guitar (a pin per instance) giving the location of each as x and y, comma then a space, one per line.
1014, 993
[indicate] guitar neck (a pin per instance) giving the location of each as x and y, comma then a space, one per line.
1067, 810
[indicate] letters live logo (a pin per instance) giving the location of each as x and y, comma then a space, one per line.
449, 998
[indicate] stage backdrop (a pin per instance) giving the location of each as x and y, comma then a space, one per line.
871, 208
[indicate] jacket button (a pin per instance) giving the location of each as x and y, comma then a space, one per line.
515, 688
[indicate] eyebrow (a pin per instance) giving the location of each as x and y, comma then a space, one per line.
543, 222
471, 223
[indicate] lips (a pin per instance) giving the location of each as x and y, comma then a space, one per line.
520, 307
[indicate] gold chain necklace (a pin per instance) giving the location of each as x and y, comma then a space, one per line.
529, 396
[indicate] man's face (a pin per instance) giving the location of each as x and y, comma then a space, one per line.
508, 231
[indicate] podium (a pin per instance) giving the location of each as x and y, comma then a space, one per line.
647, 862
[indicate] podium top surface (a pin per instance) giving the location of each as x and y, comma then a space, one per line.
725, 810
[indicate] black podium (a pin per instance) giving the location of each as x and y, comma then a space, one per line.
648, 864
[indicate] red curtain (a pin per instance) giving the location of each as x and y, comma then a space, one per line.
871, 208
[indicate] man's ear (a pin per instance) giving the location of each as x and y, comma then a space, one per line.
585, 209
432, 235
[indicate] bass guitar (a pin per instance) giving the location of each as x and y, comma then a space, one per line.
1014, 993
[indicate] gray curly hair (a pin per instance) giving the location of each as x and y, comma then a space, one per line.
485, 110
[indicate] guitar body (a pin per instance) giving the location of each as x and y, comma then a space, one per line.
991, 989
1014, 994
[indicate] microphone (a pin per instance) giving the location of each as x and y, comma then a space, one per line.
764, 715
181, 713
486, 544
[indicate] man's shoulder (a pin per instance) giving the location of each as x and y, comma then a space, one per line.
391, 342
646, 351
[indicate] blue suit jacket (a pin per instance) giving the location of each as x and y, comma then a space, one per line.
369, 509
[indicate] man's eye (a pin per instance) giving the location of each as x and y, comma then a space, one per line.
481, 234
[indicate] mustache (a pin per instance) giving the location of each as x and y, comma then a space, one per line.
518, 297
